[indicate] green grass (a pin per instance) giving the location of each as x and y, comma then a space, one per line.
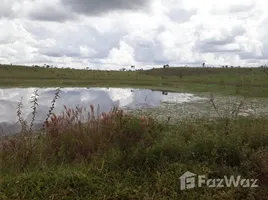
226, 81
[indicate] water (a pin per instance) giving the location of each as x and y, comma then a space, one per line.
105, 98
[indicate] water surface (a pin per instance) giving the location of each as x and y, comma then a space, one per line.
105, 98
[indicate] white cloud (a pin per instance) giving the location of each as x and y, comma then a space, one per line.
123, 55
147, 34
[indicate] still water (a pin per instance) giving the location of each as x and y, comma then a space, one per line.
106, 98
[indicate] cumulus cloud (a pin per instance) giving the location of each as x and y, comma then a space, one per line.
49, 10
51, 13
115, 34
220, 39
9, 8
5, 9
99, 7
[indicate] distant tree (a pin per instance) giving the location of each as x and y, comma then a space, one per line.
166, 66
203, 65
132, 67
265, 69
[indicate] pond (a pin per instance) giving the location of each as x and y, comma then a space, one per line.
105, 98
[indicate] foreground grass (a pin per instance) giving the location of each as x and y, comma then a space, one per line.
120, 156
226, 81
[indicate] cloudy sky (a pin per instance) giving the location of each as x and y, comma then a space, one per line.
111, 34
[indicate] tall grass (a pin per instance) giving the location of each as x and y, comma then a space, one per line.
74, 135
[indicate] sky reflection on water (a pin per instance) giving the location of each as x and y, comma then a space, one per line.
106, 98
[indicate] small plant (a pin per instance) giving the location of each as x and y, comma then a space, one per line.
52, 105
34, 107
22, 122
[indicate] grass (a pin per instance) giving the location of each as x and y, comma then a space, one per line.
227, 81
116, 155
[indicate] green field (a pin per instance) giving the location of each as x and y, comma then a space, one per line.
228, 81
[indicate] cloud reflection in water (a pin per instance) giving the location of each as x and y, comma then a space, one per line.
72, 97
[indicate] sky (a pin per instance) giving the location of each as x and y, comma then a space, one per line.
115, 34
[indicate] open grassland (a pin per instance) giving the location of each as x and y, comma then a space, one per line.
118, 155
251, 82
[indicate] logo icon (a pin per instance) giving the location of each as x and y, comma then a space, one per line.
187, 180
190, 180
